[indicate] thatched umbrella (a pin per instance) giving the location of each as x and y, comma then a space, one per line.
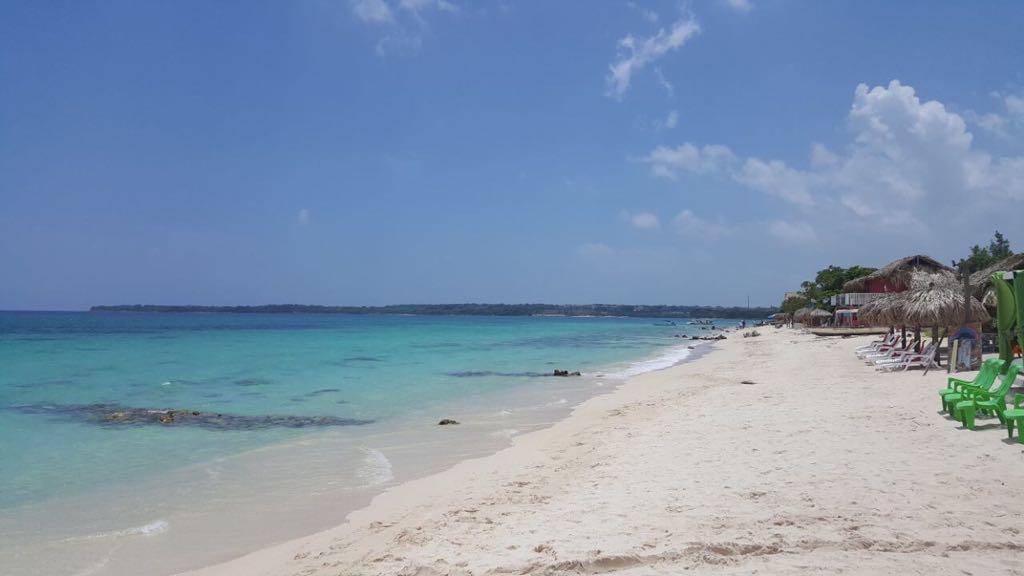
938, 305
817, 315
882, 311
810, 315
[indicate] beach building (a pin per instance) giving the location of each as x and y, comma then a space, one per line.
899, 275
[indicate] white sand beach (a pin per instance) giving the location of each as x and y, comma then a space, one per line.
819, 465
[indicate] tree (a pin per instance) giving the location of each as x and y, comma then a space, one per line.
830, 281
826, 284
999, 247
790, 305
980, 258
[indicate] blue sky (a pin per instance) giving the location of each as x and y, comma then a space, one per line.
396, 151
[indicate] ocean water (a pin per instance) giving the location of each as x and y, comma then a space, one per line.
290, 421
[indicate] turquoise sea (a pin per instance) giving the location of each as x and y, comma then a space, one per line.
300, 419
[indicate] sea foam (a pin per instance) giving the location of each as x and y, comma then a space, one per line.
668, 359
375, 468
152, 529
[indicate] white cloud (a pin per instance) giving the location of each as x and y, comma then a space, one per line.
671, 119
670, 90
402, 21
668, 162
372, 11
739, 5
906, 159
668, 122
1001, 124
1014, 104
905, 150
636, 53
689, 224
642, 220
792, 232
417, 6
399, 41
647, 14
775, 178
303, 216
821, 157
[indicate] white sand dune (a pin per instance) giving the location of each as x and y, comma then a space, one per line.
821, 465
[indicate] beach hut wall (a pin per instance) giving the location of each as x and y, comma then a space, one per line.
901, 273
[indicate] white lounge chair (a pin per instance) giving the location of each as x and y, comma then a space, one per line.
887, 342
889, 353
898, 355
925, 359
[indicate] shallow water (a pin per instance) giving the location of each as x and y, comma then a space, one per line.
82, 492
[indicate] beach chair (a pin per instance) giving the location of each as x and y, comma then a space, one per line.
894, 355
923, 359
1013, 416
884, 348
983, 380
986, 401
889, 340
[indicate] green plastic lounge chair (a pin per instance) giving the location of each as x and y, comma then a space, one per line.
986, 402
955, 387
1015, 415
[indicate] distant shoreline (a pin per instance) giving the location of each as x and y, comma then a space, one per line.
563, 310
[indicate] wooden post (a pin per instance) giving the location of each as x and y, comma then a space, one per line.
967, 298
967, 306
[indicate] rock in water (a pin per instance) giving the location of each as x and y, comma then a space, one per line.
447, 422
558, 372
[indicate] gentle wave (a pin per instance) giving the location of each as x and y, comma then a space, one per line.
375, 469
666, 360
152, 529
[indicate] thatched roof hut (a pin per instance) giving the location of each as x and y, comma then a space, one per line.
939, 306
981, 281
933, 305
901, 274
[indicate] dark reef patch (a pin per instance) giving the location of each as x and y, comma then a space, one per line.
485, 373
252, 382
322, 391
115, 415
